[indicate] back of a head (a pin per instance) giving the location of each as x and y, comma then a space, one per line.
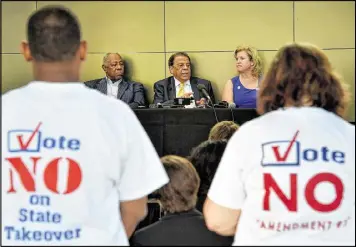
53, 34
180, 194
206, 158
223, 130
301, 75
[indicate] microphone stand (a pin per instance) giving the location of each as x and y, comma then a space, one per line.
212, 106
207, 103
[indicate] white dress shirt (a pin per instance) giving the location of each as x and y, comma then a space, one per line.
187, 87
112, 87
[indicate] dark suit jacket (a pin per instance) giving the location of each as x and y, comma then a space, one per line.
165, 89
133, 93
187, 228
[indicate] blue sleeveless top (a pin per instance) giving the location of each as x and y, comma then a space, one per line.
243, 97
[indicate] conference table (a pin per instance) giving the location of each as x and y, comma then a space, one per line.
177, 131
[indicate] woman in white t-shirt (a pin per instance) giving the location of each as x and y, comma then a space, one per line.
288, 176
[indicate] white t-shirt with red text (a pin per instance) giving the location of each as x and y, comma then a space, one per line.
70, 155
292, 174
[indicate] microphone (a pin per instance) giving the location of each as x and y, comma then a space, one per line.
225, 104
202, 89
231, 105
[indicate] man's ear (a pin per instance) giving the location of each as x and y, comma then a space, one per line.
25, 51
103, 67
171, 69
83, 50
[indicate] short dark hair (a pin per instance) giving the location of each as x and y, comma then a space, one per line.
206, 158
299, 75
180, 194
173, 56
223, 130
53, 34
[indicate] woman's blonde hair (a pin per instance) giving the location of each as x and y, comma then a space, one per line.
253, 56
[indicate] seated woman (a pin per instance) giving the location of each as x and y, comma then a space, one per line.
242, 88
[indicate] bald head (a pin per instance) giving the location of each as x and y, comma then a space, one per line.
113, 66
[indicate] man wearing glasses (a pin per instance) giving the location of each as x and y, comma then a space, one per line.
181, 84
115, 85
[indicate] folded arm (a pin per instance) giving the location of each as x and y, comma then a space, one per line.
228, 92
158, 93
139, 96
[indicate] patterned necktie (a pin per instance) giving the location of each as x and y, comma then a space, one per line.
181, 90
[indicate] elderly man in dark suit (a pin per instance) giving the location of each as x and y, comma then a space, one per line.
115, 85
181, 84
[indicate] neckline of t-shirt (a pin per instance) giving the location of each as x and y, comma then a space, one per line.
57, 85
303, 108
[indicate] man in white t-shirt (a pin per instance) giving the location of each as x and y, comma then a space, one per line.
288, 176
77, 166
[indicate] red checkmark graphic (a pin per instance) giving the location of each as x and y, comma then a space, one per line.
23, 145
285, 155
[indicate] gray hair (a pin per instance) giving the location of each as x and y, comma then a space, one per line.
105, 58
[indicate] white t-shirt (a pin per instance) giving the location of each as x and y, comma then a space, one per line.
288, 195
69, 156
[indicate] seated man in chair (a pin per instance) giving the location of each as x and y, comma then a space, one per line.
115, 85
181, 84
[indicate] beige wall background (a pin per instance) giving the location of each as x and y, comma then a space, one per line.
146, 33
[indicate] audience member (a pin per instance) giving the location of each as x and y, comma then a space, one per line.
242, 89
115, 85
206, 158
154, 213
290, 173
181, 84
182, 224
70, 174
223, 130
